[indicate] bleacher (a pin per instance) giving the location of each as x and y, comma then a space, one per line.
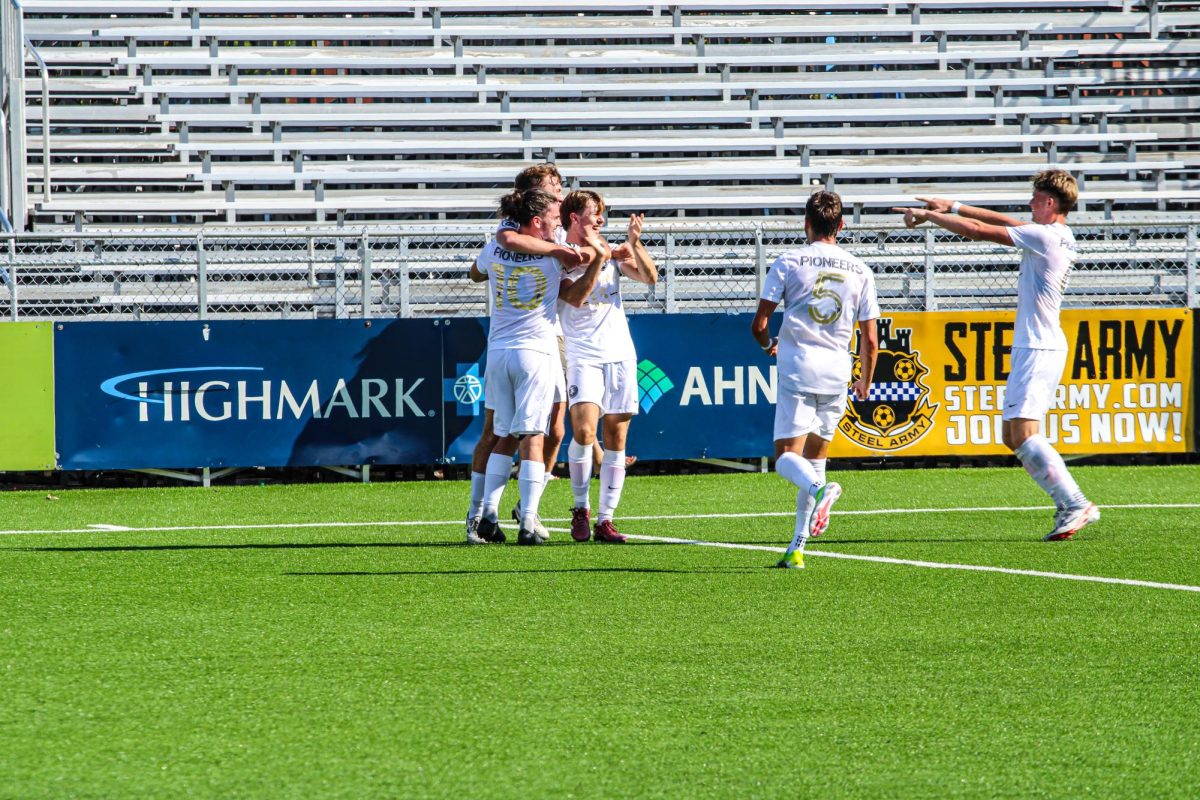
192, 112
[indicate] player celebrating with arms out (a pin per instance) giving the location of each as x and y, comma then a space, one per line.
1039, 351
522, 357
602, 388
825, 291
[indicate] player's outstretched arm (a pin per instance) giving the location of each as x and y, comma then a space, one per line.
524, 243
638, 265
985, 215
760, 327
971, 228
868, 354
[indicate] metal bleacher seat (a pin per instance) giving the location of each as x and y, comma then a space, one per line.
255, 110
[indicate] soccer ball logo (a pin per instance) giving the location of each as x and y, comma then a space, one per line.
468, 390
884, 417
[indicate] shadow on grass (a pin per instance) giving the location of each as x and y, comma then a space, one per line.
295, 546
530, 571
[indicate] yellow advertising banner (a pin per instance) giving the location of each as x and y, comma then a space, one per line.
940, 385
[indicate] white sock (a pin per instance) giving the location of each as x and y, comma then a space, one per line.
579, 458
612, 479
477, 482
531, 482
496, 477
1047, 468
799, 472
804, 506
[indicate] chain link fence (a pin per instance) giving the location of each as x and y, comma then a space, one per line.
382, 272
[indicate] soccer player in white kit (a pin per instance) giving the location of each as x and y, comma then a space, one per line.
825, 292
1039, 351
508, 236
522, 359
602, 388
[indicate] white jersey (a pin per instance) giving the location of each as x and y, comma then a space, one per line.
825, 291
1047, 253
597, 332
560, 237
524, 290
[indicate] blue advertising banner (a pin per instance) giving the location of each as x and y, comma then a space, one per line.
705, 390
250, 393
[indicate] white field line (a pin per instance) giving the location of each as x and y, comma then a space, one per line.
107, 528
1065, 576
701, 543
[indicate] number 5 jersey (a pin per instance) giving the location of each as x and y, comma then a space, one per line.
825, 292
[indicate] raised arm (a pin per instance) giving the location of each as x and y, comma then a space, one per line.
971, 228
576, 292
639, 265
984, 215
524, 243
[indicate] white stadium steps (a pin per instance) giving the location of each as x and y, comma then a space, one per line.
200, 111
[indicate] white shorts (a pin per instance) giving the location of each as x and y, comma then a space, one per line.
560, 372
519, 388
1032, 382
612, 387
802, 413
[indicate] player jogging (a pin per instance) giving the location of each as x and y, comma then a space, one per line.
602, 389
522, 358
1039, 351
825, 291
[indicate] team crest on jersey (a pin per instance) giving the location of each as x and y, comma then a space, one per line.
897, 412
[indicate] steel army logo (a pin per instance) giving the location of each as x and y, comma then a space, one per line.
897, 412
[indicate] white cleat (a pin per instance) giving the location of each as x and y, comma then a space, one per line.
1071, 521
818, 521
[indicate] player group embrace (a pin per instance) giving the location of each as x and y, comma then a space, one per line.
555, 287
553, 278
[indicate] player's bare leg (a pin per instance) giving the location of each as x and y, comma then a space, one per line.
1047, 468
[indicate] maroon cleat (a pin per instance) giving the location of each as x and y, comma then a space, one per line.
581, 523
605, 532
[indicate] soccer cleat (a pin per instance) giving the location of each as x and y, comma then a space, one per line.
530, 537
606, 533
818, 520
1071, 521
581, 524
793, 559
489, 531
473, 536
538, 527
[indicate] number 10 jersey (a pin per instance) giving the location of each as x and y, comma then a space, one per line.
524, 292
825, 292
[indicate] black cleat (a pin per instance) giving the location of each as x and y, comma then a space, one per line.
489, 531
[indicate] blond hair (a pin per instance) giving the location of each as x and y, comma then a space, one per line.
1060, 185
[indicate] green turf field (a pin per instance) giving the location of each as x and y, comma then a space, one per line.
297, 658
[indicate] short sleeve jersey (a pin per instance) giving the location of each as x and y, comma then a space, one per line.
825, 292
560, 237
597, 332
1047, 254
524, 291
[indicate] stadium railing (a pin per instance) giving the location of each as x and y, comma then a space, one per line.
422, 272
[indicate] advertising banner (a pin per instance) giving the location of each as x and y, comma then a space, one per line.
940, 385
26, 396
343, 392
249, 393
